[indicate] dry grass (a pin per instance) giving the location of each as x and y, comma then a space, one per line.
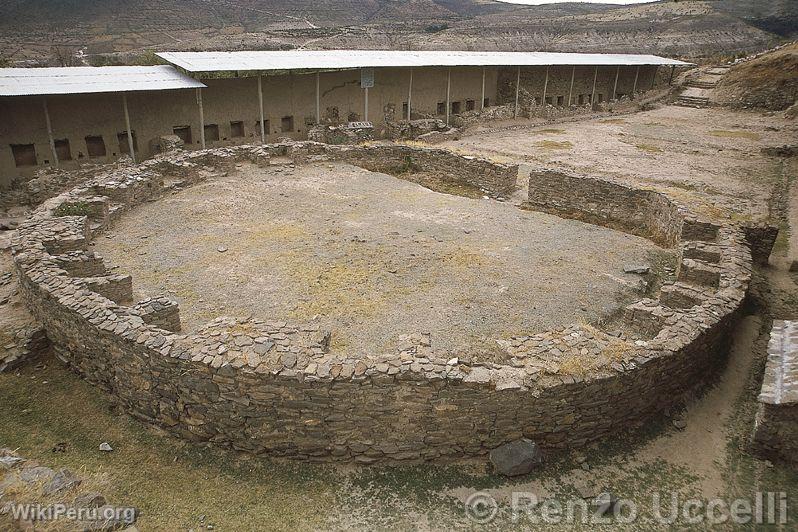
171, 482
650, 148
613, 121
554, 145
737, 134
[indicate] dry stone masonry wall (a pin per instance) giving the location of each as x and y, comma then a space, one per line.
274, 387
776, 426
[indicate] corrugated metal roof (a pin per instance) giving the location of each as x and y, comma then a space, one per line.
82, 80
343, 59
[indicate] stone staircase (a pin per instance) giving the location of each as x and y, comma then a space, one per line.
700, 86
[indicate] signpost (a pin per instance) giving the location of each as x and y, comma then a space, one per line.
366, 82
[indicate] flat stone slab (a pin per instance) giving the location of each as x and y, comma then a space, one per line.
780, 382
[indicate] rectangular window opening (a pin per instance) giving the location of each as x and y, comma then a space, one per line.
404, 110
266, 127
62, 149
486, 102
236, 129
287, 124
441, 110
456, 106
184, 132
124, 147
470, 105
211, 132
560, 101
95, 146
24, 154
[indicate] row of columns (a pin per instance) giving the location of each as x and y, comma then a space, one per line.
366, 103
51, 136
571, 89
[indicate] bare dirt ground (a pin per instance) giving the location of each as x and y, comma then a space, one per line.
708, 159
372, 257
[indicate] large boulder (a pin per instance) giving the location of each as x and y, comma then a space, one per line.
516, 458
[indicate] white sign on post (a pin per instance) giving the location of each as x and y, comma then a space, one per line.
366, 78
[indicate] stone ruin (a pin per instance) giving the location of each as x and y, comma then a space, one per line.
274, 387
776, 425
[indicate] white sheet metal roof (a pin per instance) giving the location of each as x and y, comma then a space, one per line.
83, 80
347, 59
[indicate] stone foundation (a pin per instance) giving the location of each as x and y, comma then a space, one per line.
776, 425
273, 387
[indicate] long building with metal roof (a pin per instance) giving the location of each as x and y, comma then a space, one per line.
69, 116
88, 80
297, 60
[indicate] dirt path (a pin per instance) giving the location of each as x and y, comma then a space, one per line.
702, 445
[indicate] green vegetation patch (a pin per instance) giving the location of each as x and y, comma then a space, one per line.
78, 208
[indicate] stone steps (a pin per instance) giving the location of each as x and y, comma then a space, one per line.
699, 84
693, 101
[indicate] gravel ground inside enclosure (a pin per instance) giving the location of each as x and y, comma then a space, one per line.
707, 159
371, 257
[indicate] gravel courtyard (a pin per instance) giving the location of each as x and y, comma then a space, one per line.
707, 159
371, 257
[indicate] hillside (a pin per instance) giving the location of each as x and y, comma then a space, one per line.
766, 82
32, 29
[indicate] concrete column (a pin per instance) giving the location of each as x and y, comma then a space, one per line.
482, 100
50, 132
366, 104
571, 90
129, 130
593, 94
410, 95
318, 104
634, 87
545, 86
517, 87
448, 92
615, 87
260, 104
202, 118
670, 78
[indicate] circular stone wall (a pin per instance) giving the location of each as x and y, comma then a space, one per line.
271, 386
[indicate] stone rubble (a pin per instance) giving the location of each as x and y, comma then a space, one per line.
44, 486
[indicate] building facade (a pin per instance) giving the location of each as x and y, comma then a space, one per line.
224, 107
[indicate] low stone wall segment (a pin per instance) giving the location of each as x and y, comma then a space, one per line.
776, 425
274, 387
